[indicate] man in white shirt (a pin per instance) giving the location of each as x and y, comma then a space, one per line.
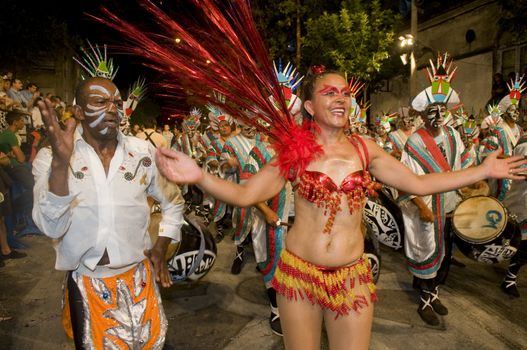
91, 196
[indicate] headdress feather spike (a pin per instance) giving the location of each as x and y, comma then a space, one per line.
96, 63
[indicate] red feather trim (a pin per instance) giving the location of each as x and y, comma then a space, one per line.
224, 53
296, 148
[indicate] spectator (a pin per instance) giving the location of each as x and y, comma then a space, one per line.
150, 134
10, 145
30, 93
167, 134
15, 94
499, 89
5, 211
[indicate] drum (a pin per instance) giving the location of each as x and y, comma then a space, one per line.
194, 256
372, 251
384, 218
484, 231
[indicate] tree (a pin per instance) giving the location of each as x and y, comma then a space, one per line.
283, 24
358, 39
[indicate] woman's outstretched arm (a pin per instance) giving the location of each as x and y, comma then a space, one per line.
181, 169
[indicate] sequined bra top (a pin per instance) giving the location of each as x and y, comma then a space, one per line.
320, 189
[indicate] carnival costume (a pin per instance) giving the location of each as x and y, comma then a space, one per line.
427, 246
398, 137
505, 136
229, 56
515, 200
383, 128
116, 304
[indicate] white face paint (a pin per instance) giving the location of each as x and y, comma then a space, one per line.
98, 106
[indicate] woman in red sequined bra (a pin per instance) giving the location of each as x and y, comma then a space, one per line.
323, 275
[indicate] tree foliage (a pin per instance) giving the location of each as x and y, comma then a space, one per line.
358, 39
514, 18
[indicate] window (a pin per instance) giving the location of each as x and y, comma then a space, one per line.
513, 59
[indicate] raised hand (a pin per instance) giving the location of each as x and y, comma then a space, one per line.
178, 167
61, 140
505, 168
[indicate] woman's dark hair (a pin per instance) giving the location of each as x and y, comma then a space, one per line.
308, 85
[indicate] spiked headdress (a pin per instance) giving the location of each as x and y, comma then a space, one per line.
96, 63
440, 75
516, 87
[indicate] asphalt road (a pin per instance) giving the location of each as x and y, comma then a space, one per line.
223, 311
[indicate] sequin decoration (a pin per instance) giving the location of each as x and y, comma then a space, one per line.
319, 189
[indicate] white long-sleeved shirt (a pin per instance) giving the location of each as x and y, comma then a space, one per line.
105, 212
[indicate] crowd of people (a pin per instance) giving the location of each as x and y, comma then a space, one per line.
288, 173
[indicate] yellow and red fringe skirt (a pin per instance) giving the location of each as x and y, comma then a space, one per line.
331, 288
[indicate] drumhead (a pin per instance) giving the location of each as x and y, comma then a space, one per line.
479, 219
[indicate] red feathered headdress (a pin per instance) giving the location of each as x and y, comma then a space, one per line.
224, 53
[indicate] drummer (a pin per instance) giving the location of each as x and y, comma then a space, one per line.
516, 201
432, 148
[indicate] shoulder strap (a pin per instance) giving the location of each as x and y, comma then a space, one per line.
362, 150
150, 139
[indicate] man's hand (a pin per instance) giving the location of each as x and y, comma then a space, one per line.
157, 257
426, 214
61, 140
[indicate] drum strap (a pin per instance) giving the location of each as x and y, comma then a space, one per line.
199, 257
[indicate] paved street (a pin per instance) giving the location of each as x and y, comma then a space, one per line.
223, 311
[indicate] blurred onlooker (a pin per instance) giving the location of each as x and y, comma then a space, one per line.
5, 211
499, 89
15, 93
150, 134
10, 145
136, 129
30, 93
167, 134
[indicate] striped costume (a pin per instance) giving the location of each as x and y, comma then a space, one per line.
505, 137
516, 198
424, 243
239, 147
214, 154
398, 139
268, 241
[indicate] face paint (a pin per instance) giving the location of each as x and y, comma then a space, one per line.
248, 131
100, 104
436, 115
329, 90
512, 113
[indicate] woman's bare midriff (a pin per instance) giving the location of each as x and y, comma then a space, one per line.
341, 247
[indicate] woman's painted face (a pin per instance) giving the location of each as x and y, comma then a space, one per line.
331, 101
103, 110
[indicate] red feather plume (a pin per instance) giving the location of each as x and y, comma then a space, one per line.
226, 54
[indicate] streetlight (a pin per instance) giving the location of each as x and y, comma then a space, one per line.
406, 44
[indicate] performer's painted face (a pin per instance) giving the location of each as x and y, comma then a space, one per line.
331, 101
224, 128
248, 131
191, 124
103, 107
435, 114
407, 122
512, 113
